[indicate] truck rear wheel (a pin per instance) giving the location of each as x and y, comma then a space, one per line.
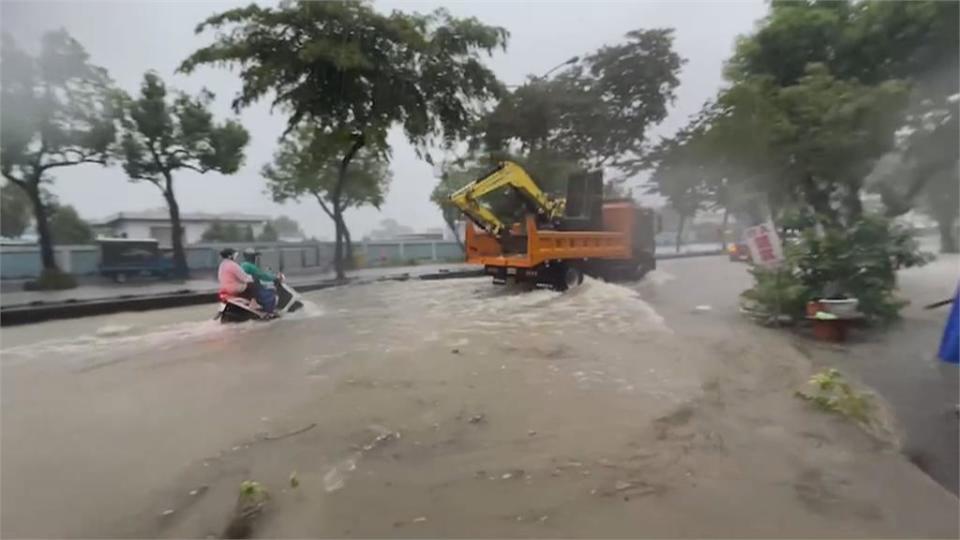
568, 276
643, 265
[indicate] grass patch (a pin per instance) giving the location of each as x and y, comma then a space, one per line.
51, 280
829, 391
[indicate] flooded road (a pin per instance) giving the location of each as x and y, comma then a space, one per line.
449, 408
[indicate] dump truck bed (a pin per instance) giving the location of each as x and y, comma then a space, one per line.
544, 246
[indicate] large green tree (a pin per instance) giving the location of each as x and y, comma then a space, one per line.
58, 110
286, 226
865, 46
227, 232
598, 110
922, 173
870, 41
353, 72
67, 227
942, 202
165, 135
304, 166
680, 173
268, 234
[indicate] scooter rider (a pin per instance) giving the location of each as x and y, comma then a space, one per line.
264, 296
233, 280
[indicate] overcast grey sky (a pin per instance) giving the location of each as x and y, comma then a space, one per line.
129, 38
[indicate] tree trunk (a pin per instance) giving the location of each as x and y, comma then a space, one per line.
452, 225
854, 206
338, 244
348, 244
180, 269
819, 201
683, 219
723, 229
358, 142
948, 241
47, 257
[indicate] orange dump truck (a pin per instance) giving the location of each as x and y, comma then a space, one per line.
557, 241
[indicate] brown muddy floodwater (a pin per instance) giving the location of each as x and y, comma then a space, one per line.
438, 409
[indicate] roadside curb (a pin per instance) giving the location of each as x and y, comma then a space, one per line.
668, 256
70, 309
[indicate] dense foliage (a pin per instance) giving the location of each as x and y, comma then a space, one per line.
15, 212
598, 110
67, 227
227, 232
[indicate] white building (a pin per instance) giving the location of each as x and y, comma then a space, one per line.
156, 224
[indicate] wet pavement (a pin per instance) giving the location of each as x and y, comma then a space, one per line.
450, 408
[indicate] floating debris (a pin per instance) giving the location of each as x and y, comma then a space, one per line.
294, 481
250, 503
516, 473
420, 519
166, 513
477, 418
288, 434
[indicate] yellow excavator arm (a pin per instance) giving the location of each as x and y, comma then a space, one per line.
507, 174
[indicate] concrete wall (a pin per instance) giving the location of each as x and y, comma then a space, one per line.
20, 262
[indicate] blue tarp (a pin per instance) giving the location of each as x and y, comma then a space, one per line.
950, 344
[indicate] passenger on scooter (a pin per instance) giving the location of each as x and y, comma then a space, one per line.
265, 297
233, 280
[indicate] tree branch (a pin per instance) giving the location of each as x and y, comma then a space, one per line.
201, 170
150, 179
156, 156
15, 180
68, 163
323, 204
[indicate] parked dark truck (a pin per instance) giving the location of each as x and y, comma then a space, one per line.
557, 240
121, 258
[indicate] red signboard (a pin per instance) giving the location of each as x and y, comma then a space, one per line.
764, 244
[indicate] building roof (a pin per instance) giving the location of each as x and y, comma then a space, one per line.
161, 214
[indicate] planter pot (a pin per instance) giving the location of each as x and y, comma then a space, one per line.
834, 331
844, 307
